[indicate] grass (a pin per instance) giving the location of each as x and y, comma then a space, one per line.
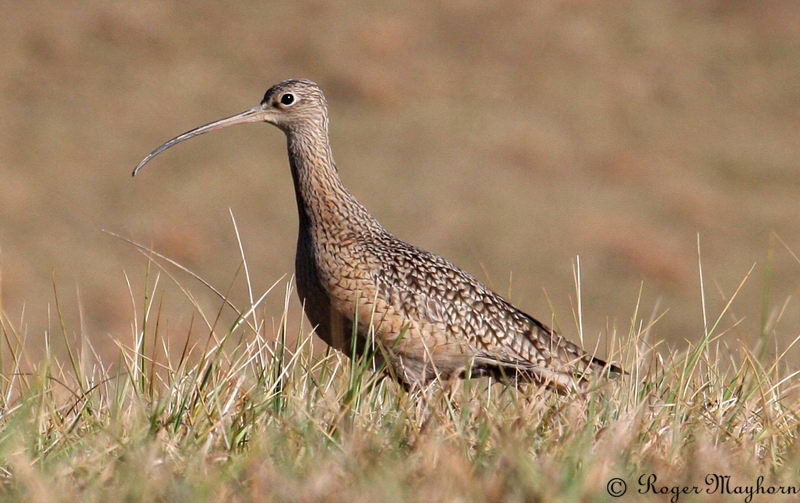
248, 410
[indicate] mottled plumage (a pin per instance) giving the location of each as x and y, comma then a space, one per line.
430, 317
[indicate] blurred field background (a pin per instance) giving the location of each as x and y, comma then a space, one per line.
507, 136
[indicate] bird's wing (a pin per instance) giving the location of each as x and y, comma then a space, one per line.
426, 287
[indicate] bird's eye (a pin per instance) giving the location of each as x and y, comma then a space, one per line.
287, 99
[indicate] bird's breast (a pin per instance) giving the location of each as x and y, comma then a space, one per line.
348, 274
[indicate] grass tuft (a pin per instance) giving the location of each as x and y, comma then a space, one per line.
250, 412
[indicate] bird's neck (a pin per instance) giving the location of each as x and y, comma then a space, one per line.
323, 202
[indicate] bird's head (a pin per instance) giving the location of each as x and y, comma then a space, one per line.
291, 105
295, 103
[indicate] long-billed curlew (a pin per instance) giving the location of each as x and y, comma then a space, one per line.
431, 318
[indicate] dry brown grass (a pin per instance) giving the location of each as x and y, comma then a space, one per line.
251, 412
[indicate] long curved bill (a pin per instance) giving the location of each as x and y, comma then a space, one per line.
255, 114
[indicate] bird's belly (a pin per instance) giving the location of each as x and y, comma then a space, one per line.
417, 349
328, 322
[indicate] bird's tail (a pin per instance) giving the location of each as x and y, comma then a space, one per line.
610, 370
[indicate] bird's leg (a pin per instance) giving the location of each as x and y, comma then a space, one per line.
423, 412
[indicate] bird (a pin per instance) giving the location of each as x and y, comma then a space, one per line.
360, 285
